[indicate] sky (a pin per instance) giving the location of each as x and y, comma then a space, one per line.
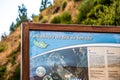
9, 12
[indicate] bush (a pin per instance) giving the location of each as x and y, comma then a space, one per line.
35, 19
13, 54
116, 4
40, 17
2, 68
66, 18
76, 0
2, 71
56, 19
101, 15
104, 2
12, 57
64, 5
16, 75
43, 20
84, 9
2, 47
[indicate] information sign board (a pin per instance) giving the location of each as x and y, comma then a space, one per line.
70, 52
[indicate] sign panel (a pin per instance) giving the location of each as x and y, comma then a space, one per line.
70, 52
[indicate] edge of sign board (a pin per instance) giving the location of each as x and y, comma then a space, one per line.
73, 27
25, 51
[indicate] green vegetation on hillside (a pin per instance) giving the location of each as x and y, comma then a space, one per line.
16, 75
64, 18
99, 12
56, 20
64, 4
90, 12
13, 55
3, 46
2, 71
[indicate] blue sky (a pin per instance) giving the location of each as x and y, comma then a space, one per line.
9, 12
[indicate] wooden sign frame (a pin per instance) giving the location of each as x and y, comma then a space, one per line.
27, 27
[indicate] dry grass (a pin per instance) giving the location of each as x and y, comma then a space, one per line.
13, 42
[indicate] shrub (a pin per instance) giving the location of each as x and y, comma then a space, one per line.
2, 71
64, 5
116, 5
43, 20
35, 19
56, 19
13, 54
16, 75
66, 18
101, 15
84, 9
40, 17
2, 68
76, 0
2, 47
104, 2
12, 57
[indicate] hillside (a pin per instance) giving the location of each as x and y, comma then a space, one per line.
68, 9
10, 55
85, 12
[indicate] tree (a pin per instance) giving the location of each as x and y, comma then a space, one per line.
12, 27
22, 13
45, 4
22, 16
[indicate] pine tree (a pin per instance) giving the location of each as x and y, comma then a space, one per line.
45, 4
